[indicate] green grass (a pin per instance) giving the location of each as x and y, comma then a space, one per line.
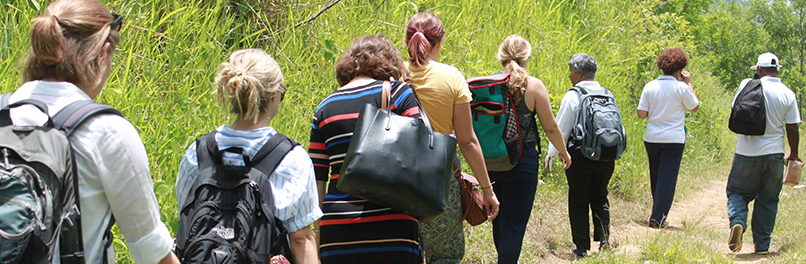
162, 81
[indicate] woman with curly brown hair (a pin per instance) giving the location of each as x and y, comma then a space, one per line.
353, 229
664, 102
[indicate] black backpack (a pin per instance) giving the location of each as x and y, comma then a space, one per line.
748, 116
598, 133
39, 203
228, 216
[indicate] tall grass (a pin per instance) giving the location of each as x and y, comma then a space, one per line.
163, 70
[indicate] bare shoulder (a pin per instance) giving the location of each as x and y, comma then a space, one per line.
535, 86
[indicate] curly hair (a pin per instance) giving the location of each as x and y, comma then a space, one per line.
672, 60
372, 56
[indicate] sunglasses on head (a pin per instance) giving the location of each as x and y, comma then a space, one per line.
117, 23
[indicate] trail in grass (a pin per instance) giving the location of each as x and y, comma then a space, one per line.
702, 215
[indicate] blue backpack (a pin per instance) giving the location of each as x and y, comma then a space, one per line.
495, 121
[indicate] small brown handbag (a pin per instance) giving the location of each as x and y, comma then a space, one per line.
472, 201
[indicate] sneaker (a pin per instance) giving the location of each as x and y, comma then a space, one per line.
604, 245
580, 253
656, 225
762, 252
735, 240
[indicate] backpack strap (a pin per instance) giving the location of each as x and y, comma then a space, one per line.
206, 150
269, 156
72, 115
67, 120
4, 99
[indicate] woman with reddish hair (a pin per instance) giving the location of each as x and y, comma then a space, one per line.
663, 103
445, 98
354, 230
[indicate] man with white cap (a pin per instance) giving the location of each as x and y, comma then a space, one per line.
758, 164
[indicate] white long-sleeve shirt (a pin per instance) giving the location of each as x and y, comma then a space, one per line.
114, 176
569, 110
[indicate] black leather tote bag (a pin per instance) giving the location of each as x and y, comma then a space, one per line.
399, 162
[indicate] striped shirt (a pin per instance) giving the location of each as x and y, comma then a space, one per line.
354, 230
292, 183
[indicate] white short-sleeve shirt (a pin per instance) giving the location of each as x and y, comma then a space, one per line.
782, 109
666, 100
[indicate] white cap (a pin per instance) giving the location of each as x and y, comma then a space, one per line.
767, 60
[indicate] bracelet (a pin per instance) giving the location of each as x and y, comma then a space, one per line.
489, 186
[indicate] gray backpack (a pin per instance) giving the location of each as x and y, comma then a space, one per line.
39, 205
598, 132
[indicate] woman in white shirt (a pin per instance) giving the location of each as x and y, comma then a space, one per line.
72, 46
664, 102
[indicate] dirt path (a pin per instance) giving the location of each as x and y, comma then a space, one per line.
703, 211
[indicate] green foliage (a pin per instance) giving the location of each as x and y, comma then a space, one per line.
163, 71
728, 39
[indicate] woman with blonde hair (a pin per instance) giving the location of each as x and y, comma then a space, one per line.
353, 229
516, 188
251, 84
445, 98
72, 46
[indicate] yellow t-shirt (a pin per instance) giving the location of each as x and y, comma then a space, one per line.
438, 88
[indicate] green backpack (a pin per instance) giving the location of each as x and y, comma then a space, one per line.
495, 121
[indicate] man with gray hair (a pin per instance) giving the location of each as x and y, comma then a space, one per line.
587, 178
758, 164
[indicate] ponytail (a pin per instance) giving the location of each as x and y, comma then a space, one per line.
66, 43
418, 49
518, 79
46, 40
423, 32
513, 54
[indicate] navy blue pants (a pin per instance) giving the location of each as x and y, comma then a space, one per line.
515, 190
587, 188
664, 165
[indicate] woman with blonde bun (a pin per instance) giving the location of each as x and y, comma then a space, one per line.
251, 84
72, 46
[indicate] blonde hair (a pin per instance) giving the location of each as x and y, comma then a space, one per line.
248, 81
513, 54
67, 40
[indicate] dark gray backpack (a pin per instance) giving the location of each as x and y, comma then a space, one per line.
598, 133
228, 216
39, 203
